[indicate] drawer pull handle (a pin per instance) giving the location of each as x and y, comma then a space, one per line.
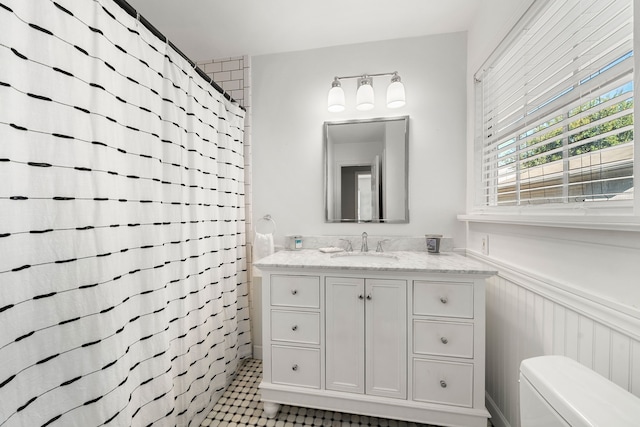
294, 291
294, 328
443, 300
294, 368
360, 296
443, 384
444, 340
369, 296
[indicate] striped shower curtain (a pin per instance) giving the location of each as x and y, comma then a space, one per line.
123, 292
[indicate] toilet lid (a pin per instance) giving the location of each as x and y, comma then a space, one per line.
580, 395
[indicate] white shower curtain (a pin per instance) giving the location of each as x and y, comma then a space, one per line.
123, 292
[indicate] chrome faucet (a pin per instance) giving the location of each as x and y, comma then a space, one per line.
348, 247
365, 245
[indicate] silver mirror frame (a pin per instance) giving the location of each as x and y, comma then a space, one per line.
326, 125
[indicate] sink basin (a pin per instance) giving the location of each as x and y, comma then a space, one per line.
366, 257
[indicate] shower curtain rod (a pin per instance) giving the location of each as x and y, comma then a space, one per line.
133, 12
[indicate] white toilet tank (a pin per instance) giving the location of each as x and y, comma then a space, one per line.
556, 391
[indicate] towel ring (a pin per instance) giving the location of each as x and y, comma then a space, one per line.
268, 222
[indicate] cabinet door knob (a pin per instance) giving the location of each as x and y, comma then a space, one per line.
369, 296
360, 296
444, 340
294, 328
294, 368
294, 291
443, 384
443, 300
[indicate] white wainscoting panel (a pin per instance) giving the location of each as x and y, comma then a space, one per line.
529, 317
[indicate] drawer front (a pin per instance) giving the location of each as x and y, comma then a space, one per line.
443, 338
447, 299
295, 291
295, 326
448, 383
295, 366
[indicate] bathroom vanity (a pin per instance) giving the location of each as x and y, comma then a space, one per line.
397, 335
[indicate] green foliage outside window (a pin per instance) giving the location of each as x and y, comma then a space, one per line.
574, 139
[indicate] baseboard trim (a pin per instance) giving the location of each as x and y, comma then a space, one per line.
257, 352
245, 352
497, 418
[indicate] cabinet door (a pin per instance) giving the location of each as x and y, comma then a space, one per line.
386, 338
344, 334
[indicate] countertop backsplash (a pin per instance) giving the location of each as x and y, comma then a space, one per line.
392, 243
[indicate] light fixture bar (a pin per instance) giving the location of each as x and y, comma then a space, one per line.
365, 94
359, 76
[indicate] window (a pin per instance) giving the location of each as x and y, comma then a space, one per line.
555, 108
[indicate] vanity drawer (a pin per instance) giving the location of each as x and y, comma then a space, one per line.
447, 299
295, 326
443, 338
448, 383
295, 366
295, 291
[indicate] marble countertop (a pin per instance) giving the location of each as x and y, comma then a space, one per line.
404, 261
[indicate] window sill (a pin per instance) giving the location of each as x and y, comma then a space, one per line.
588, 222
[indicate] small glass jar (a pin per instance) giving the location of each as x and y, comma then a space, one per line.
433, 243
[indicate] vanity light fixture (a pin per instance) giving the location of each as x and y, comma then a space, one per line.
395, 93
336, 97
364, 94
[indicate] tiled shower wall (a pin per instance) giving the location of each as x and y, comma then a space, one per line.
234, 76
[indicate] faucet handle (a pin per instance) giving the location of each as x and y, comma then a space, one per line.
349, 247
379, 247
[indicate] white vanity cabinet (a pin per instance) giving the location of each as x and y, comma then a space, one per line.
397, 343
447, 323
366, 336
294, 327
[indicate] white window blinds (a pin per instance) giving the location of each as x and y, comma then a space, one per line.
556, 108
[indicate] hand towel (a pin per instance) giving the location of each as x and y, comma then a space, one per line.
262, 245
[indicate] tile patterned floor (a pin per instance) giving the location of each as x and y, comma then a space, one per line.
240, 406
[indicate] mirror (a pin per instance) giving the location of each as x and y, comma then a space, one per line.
366, 170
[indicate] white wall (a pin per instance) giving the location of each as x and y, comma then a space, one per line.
289, 96
561, 289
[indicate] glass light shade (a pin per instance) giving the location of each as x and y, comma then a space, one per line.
395, 95
364, 97
335, 100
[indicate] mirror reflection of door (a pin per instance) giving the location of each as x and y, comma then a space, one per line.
360, 192
350, 189
365, 207
376, 188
